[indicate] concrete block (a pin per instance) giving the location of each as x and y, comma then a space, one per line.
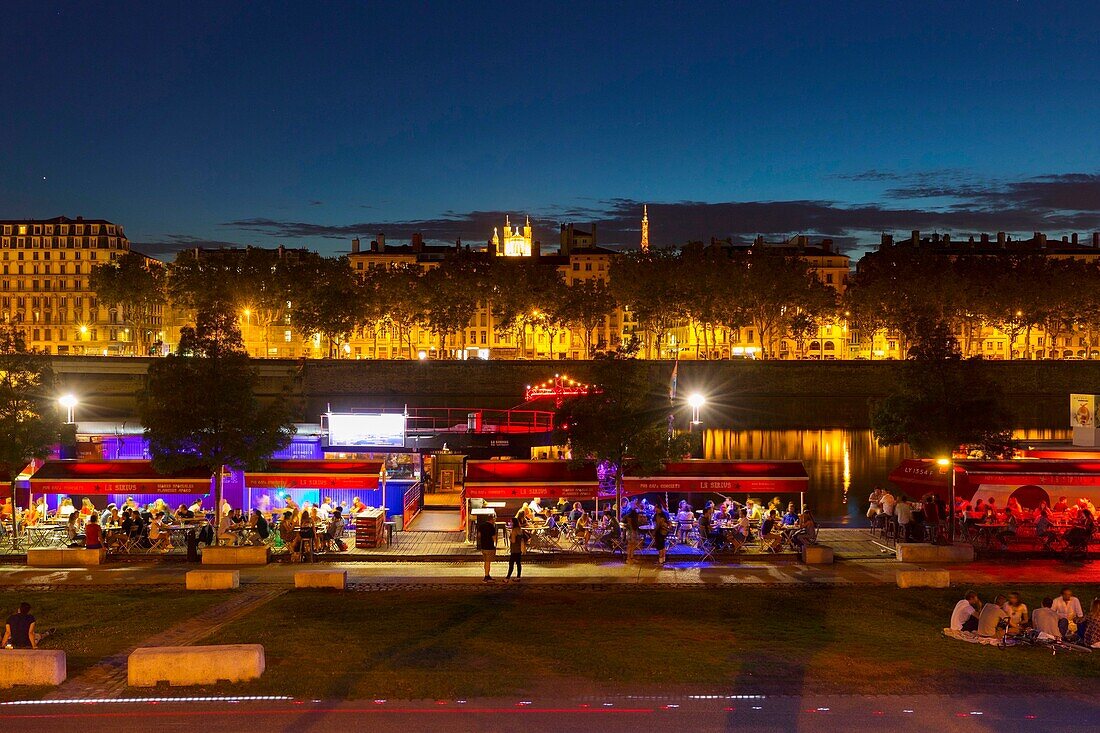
65, 557
922, 553
213, 579
31, 667
194, 665
321, 579
225, 555
817, 555
924, 578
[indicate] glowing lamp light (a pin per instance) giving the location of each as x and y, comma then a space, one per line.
943, 461
422, 355
697, 400
69, 402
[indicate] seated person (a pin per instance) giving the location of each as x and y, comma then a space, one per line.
1061, 505
93, 534
258, 528
287, 533
1081, 531
1045, 620
1067, 608
182, 512
576, 512
770, 537
159, 538
744, 526
790, 518
358, 507
804, 534
335, 530
195, 508
964, 617
992, 617
1017, 614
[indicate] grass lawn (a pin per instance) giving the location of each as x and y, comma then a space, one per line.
94, 624
522, 640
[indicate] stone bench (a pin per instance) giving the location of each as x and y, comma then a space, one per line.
321, 579
213, 579
924, 578
817, 555
31, 667
64, 557
194, 665
228, 555
921, 553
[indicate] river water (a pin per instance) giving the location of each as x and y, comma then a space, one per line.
844, 465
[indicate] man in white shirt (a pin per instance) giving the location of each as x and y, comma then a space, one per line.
325, 509
904, 514
1068, 609
1045, 620
965, 615
889, 503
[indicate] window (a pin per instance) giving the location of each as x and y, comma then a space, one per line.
286, 336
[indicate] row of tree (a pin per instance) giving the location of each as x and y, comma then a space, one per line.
904, 289
711, 288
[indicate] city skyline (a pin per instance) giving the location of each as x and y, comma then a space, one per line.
196, 127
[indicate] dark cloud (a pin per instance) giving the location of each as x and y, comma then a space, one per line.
316, 203
173, 243
1066, 192
1053, 203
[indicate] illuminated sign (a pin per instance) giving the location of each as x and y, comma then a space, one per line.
362, 430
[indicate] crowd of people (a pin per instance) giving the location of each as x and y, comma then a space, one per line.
716, 526
1060, 618
1072, 523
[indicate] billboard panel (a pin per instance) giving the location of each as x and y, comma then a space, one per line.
1082, 410
363, 430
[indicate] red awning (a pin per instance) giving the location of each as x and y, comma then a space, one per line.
303, 474
528, 479
722, 477
916, 477
116, 477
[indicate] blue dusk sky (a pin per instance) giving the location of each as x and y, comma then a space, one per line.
305, 124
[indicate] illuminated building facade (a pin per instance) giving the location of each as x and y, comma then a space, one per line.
514, 242
45, 266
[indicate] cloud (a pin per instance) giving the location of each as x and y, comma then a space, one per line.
172, 243
316, 203
1055, 203
1064, 192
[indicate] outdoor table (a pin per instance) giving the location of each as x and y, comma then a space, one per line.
45, 535
987, 532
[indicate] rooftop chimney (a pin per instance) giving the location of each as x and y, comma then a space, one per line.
914, 237
355, 246
418, 242
985, 238
887, 241
1096, 239
827, 245
1001, 239
536, 248
1074, 238
381, 242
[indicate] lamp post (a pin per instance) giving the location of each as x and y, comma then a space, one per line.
947, 462
69, 402
696, 401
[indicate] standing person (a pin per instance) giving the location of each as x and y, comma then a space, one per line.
632, 522
19, 629
517, 545
662, 523
487, 542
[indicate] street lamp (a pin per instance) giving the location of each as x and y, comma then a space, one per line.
946, 462
696, 401
69, 402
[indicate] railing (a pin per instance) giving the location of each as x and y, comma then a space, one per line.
477, 420
411, 504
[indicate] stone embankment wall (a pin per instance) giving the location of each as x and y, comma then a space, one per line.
746, 394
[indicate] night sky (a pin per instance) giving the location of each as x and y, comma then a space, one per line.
307, 124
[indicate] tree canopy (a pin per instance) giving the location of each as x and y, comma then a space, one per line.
134, 285
29, 420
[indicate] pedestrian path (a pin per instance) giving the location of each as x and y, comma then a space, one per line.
107, 679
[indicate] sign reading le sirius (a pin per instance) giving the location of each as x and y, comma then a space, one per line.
361, 430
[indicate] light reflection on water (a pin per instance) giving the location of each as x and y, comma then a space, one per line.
844, 465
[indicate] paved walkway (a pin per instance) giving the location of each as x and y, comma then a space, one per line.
764, 572
107, 679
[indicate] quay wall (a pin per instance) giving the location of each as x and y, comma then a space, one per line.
741, 394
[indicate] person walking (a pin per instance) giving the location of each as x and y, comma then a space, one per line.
517, 544
487, 542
